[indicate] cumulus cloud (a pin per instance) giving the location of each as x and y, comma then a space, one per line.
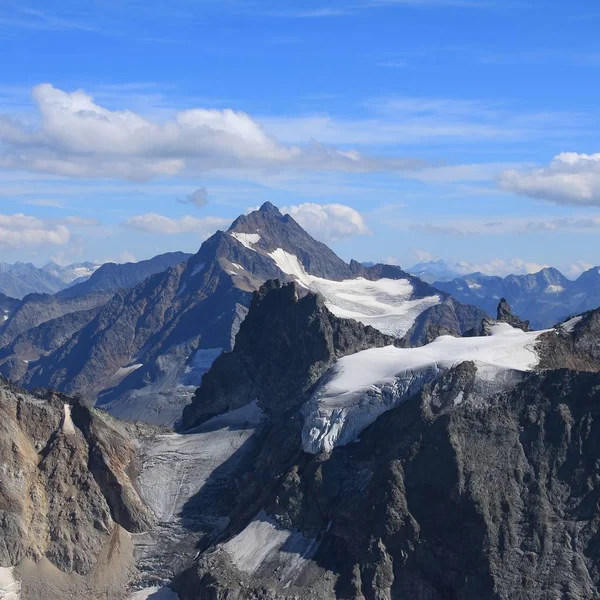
158, 224
198, 198
329, 222
570, 178
19, 230
79, 138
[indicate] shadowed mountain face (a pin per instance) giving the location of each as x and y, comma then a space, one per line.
465, 489
111, 276
143, 354
543, 298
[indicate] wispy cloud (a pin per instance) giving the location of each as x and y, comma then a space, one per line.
501, 226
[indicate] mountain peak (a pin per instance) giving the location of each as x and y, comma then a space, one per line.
269, 208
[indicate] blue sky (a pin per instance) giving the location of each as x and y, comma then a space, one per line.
392, 129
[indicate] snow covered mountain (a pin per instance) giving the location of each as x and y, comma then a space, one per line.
438, 270
320, 459
68, 274
144, 353
544, 298
371, 459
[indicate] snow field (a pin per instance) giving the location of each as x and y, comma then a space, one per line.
362, 386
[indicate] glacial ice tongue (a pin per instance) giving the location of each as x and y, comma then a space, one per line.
362, 386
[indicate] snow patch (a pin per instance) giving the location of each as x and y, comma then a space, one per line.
361, 387
176, 466
67, 425
197, 269
569, 325
246, 239
10, 588
473, 286
154, 593
385, 304
554, 289
265, 543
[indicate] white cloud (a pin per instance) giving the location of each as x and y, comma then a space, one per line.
80, 138
198, 198
329, 222
577, 268
19, 230
158, 224
80, 221
570, 178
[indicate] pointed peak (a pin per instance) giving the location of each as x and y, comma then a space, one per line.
269, 208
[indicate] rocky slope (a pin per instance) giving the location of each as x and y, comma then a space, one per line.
112, 276
144, 353
422, 504
36, 309
67, 501
543, 298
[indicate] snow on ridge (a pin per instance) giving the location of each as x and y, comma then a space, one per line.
246, 239
362, 386
569, 325
153, 593
384, 304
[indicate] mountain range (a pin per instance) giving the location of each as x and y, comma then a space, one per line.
144, 352
20, 279
291, 426
543, 298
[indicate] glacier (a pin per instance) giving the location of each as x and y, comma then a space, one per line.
362, 386
385, 304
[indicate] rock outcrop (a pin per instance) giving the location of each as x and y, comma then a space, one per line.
65, 482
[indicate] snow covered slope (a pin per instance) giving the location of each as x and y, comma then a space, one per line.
362, 386
386, 304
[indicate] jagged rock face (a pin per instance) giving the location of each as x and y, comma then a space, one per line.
65, 481
466, 490
447, 318
505, 315
574, 344
285, 344
435, 501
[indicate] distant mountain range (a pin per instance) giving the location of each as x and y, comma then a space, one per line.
543, 298
438, 270
19, 279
